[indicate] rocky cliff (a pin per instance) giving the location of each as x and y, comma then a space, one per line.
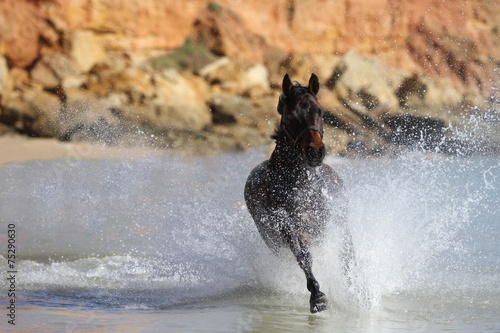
413, 74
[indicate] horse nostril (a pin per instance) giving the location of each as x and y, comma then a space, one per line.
315, 155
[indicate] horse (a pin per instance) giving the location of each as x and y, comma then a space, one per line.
290, 196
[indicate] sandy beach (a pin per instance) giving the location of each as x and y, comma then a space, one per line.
18, 149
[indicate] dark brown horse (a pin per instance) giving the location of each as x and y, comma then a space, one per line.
290, 196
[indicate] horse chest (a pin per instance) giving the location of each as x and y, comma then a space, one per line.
304, 200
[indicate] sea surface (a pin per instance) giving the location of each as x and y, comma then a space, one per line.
166, 244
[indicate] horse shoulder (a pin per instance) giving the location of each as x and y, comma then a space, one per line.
331, 178
256, 183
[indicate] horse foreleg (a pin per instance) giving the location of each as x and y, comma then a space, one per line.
317, 301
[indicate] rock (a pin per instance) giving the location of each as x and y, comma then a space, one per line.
61, 64
458, 42
265, 115
4, 80
221, 70
85, 50
7, 130
185, 117
365, 85
300, 66
82, 118
134, 82
19, 78
240, 138
450, 53
383, 105
127, 25
73, 82
44, 75
229, 109
181, 101
16, 113
53, 69
39, 112
254, 81
221, 30
336, 139
4, 73
459, 47
441, 94
236, 78
22, 25
420, 92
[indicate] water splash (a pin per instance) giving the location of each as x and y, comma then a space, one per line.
411, 220
163, 232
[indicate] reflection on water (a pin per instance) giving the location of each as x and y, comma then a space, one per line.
168, 244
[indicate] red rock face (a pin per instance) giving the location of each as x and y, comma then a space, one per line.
454, 39
21, 28
457, 41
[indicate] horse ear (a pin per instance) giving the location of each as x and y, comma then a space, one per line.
281, 105
287, 85
314, 84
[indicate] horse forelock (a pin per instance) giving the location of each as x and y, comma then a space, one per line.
298, 89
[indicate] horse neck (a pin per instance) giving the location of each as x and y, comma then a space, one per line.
288, 162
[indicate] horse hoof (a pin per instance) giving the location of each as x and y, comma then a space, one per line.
318, 302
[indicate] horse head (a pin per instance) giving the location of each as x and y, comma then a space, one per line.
302, 119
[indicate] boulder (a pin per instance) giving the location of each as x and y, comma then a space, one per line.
73, 82
39, 111
6, 130
238, 138
237, 78
44, 75
229, 109
19, 78
4, 73
55, 68
180, 101
420, 92
300, 66
16, 113
85, 50
136, 83
182, 117
4, 80
254, 81
61, 64
365, 85
221, 70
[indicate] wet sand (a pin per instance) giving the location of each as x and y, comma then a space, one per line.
18, 149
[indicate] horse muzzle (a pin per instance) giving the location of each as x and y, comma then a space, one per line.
313, 149
314, 157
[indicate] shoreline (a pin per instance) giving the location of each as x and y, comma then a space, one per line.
15, 149
19, 149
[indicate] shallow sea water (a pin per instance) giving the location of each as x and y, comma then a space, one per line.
166, 244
